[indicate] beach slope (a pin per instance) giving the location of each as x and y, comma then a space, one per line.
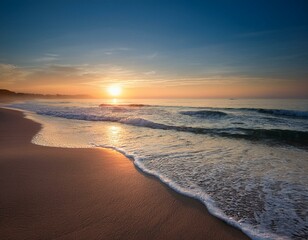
57, 193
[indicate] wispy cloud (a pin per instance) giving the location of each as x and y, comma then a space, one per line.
98, 76
10, 74
52, 55
112, 51
64, 69
150, 73
48, 57
152, 56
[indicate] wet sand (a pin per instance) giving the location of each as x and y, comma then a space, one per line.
58, 193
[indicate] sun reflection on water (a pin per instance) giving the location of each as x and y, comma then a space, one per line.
114, 133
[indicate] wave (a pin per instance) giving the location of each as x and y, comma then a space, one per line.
204, 114
140, 122
200, 196
216, 112
291, 137
275, 112
122, 105
286, 113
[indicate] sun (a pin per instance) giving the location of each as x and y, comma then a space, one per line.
114, 91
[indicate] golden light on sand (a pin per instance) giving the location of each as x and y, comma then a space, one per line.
114, 90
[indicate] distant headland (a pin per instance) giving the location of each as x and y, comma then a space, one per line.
7, 95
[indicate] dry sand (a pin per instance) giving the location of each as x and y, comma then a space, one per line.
57, 193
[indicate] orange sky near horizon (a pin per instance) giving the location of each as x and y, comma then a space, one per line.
227, 90
94, 81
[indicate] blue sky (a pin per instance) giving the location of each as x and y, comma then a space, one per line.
146, 43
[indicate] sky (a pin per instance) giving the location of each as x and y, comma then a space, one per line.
156, 49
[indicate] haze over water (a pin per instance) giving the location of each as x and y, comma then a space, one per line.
246, 160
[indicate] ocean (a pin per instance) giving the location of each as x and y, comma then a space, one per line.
245, 159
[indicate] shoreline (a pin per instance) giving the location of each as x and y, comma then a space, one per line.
95, 198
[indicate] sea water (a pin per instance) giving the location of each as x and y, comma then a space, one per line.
246, 160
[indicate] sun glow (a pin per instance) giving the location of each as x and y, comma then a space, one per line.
114, 91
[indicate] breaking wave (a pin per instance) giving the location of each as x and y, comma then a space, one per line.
286, 113
205, 114
291, 137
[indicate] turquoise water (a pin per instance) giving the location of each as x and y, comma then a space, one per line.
246, 160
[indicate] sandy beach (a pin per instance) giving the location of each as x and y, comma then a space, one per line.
57, 193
